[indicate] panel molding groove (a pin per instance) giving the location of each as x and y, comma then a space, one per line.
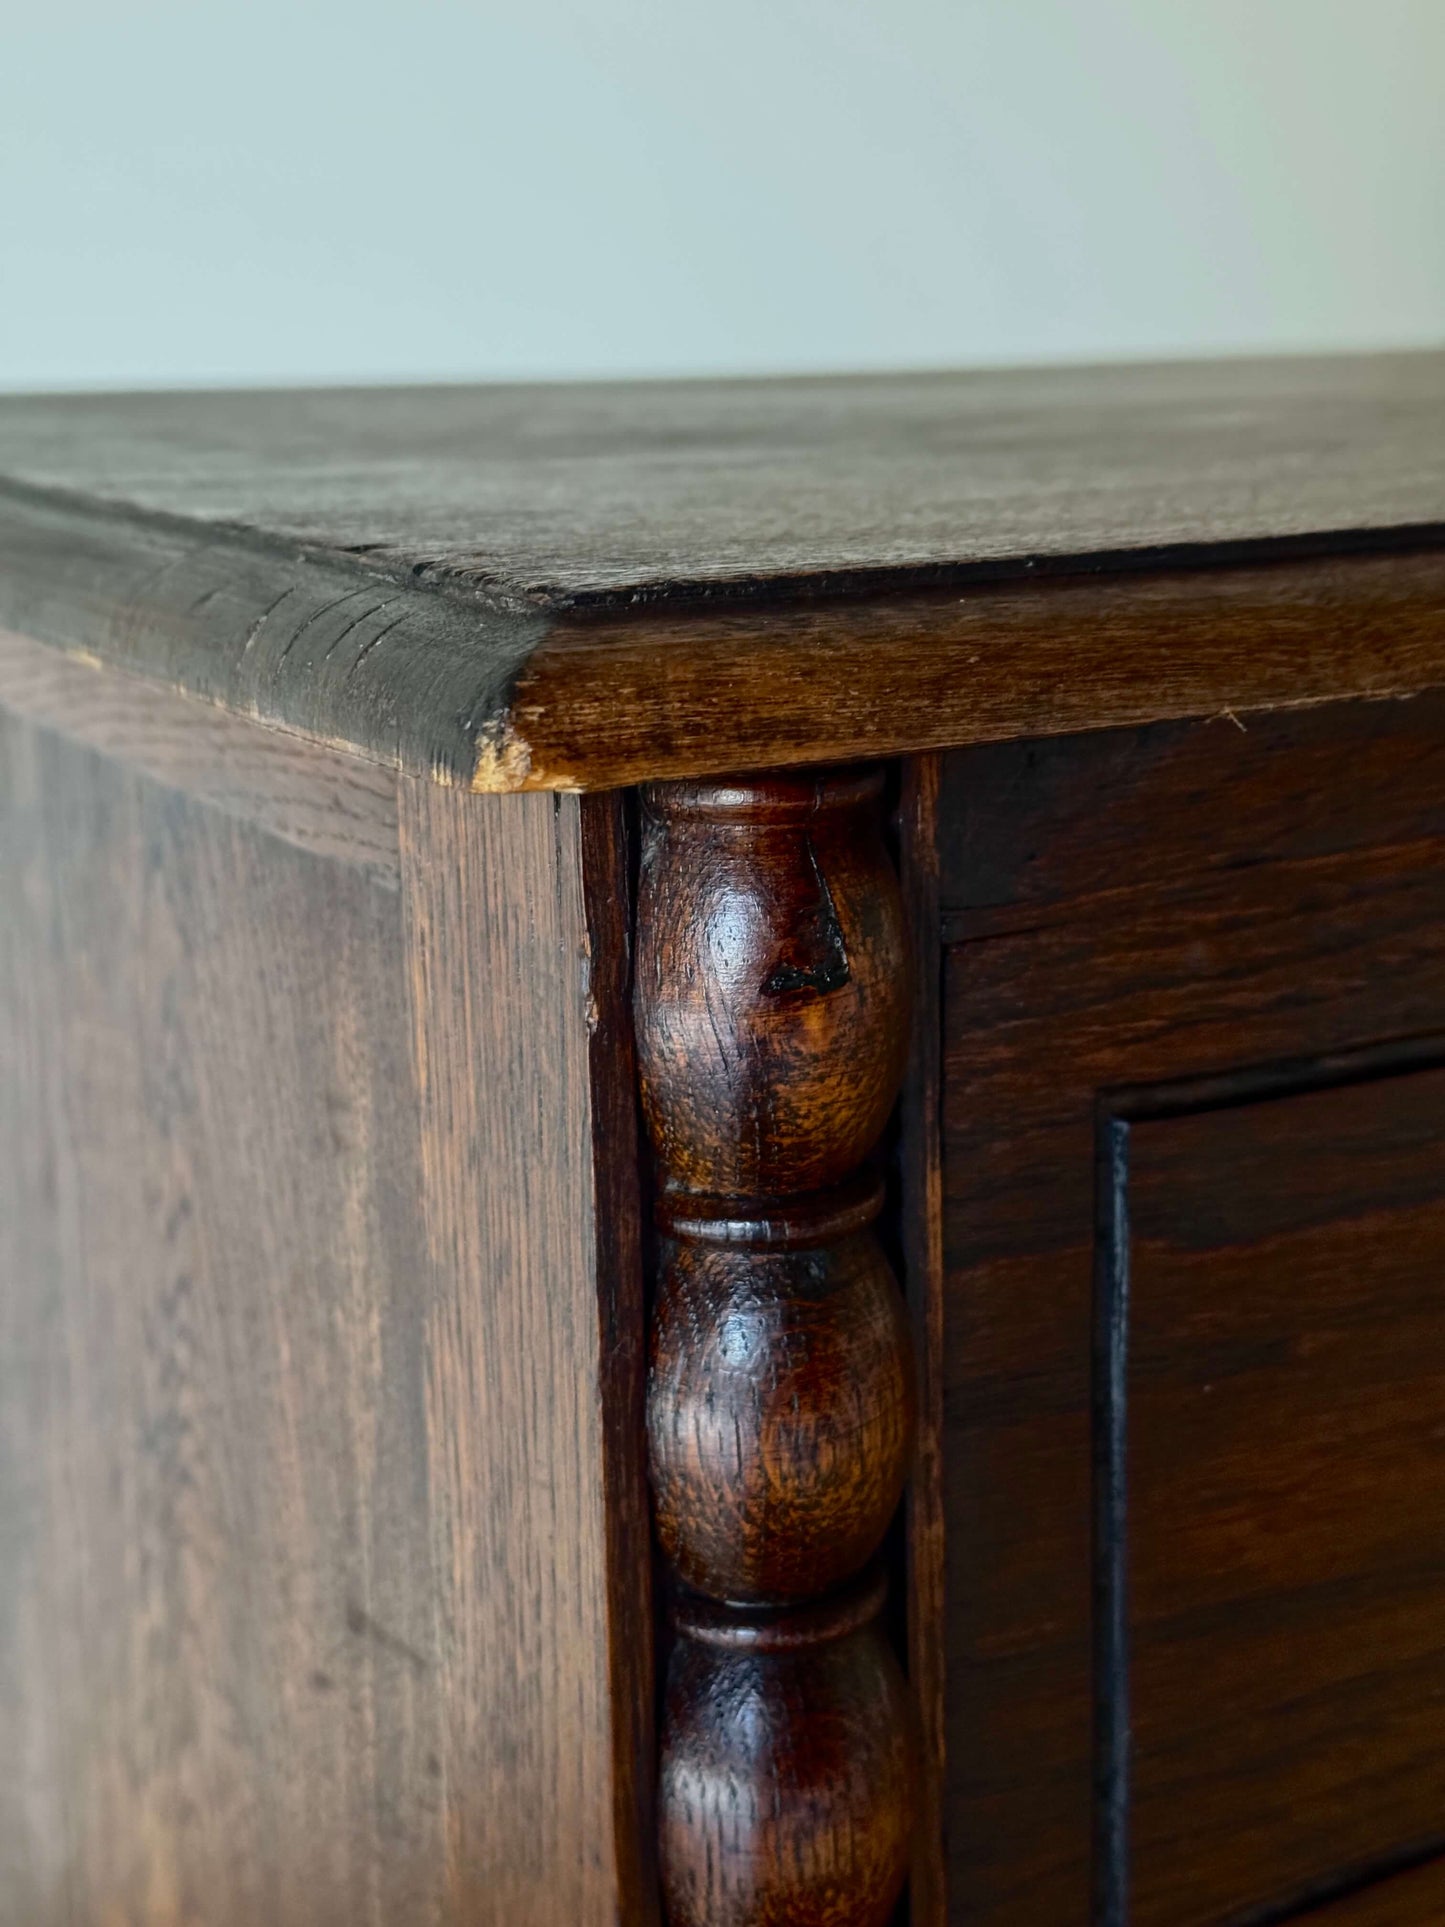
1119, 1112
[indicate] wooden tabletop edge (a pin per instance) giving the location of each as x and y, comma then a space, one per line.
448, 681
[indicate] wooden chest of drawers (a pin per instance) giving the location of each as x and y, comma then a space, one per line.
722, 1153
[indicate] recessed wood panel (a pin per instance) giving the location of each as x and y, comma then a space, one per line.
1207, 909
1285, 1487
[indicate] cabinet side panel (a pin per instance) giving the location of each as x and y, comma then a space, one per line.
501, 993
304, 1589
218, 1653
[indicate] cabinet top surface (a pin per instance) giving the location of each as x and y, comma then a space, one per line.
619, 520
575, 494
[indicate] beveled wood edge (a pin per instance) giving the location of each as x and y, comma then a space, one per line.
448, 682
921, 1241
690, 696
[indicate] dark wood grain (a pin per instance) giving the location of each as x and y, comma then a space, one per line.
781, 1489
503, 1009
1413, 1899
1120, 913
326, 801
771, 1006
583, 587
316, 645
590, 492
605, 857
788, 1773
920, 1220
328, 1391
219, 1650
680, 694
1286, 1399
323, 1574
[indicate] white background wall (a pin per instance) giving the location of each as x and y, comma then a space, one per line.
282, 191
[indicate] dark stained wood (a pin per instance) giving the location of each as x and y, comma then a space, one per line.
921, 1233
679, 695
787, 1780
329, 802
783, 1491
503, 1013
588, 492
605, 862
329, 1387
219, 1650
316, 645
587, 587
1412, 1899
1286, 1400
771, 1019
322, 1595
773, 994
1187, 903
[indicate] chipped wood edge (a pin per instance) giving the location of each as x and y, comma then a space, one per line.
445, 681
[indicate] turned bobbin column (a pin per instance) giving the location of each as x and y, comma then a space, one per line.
771, 1010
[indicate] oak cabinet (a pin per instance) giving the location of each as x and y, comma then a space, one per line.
722, 1153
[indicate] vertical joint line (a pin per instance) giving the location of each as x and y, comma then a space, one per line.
1112, 1732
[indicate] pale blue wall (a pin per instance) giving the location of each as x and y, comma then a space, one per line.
287, 191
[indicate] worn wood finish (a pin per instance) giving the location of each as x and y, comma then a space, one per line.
771, 1019
349, 1478
1207, 920
584, 587
219, 1653
411, 679
325, 801
321, 1590
502, 1002
615, 491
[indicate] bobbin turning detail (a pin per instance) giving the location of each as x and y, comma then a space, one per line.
771, 1011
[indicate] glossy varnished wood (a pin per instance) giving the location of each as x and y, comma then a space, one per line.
778, 1487
1194, 910
788, 1777
771, 959
771, 1017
